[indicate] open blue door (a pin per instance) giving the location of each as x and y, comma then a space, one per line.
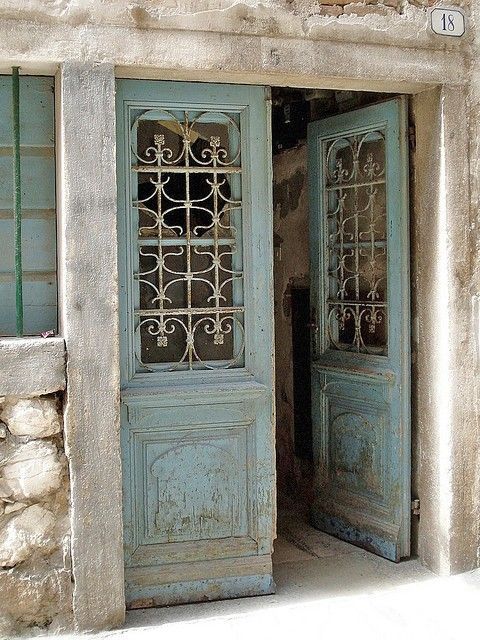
195, 256
358, 172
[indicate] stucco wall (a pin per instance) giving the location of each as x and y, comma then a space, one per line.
474, 277
35, 576
266, 17
163, 35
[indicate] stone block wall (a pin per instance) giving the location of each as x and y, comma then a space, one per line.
35, 576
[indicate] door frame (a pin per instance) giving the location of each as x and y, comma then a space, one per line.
92, 419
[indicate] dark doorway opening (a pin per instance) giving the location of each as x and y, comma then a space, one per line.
293, 110
302, 394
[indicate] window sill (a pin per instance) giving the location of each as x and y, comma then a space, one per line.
32, 366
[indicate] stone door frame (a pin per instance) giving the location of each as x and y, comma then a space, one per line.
89, 309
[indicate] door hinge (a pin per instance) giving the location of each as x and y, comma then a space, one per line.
412, 137
416, 507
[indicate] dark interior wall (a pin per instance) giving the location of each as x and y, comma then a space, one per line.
291, 267
293, 109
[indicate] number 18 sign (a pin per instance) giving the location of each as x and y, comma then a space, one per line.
447, 22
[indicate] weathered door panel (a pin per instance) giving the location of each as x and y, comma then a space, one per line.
196, 317
361, 348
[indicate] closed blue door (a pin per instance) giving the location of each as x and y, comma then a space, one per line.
195, 278
361, 342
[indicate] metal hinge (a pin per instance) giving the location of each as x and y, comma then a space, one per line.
412, 137
416, 507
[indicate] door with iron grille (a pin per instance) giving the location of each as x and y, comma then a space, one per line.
196, 323
361, 346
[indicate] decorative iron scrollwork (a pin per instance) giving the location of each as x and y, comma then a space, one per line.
356, 242
186, 190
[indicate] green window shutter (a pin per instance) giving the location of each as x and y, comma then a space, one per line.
39, 252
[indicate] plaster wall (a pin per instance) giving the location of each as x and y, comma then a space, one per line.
473, 107
389, 20
272, 42
444, 336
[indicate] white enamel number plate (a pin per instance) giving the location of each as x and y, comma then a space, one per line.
447, 22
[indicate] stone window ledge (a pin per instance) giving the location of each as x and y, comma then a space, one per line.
31, 366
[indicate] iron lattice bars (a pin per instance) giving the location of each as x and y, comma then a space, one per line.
187, 191
355, 192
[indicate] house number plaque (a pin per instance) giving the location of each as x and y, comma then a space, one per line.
447, 22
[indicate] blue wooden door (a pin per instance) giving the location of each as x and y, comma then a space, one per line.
361, 330
195, 255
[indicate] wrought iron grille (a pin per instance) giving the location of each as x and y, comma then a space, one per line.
187, 196
356, 245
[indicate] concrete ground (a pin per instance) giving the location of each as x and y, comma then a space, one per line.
326, 588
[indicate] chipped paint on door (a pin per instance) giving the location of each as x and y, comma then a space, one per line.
361, 348
194, 176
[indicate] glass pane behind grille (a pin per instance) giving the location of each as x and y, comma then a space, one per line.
355, 193
186, 199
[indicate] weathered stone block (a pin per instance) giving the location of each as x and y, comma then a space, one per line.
31, 366
14, 506
330, 3
33, 417
5, 489
33, 471
40, 599
25, 534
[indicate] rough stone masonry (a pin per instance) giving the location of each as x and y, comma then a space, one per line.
35, 579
